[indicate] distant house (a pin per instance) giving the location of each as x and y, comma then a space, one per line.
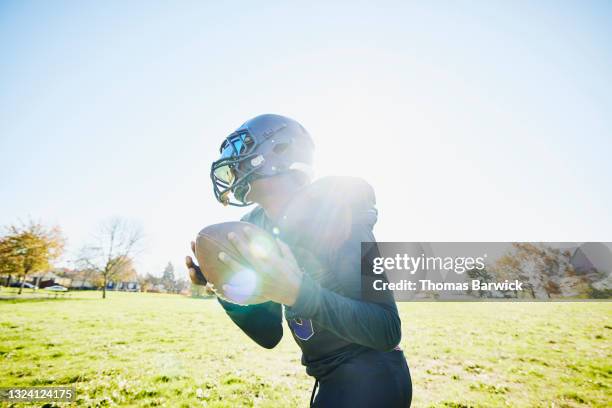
123, 286
592, 256
46, 279
82, 284
594, 261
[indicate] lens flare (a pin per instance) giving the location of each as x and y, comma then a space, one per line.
241, 286
261, 247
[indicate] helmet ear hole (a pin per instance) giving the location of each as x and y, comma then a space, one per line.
280, 148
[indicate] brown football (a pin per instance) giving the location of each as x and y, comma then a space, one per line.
212, 240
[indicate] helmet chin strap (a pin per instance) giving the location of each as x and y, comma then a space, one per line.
246, 195
243, 196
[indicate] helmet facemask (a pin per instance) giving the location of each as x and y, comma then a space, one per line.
232, 173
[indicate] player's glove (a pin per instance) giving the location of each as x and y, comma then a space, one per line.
195, 273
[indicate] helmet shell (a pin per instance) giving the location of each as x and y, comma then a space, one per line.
280, 144
273, 145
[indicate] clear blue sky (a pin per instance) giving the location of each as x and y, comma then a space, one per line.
473, 120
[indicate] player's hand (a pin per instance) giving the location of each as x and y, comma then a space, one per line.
195, 273
279, 275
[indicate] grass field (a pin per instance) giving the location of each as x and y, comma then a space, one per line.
168, 350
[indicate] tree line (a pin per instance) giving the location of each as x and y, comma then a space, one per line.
28, 248
548, 272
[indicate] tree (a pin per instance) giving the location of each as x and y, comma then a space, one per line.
182, 285
115, 245
29, 247
545, 272
148, 282
126, 271
483, 276
168, 279
10, 263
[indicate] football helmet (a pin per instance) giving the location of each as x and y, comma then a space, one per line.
265, 146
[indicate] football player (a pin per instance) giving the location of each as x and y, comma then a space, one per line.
349, 343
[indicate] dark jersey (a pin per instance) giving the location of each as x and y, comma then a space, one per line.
330, 320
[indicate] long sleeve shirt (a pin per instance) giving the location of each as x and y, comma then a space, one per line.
330, 320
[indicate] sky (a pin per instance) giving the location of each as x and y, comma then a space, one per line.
474, 121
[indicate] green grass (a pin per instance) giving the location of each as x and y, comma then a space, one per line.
168, 350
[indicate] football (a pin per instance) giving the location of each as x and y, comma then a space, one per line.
212, 240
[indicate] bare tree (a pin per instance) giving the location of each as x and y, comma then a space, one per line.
114, 247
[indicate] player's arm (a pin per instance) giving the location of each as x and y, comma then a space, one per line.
375, 325
372, 324
262, 322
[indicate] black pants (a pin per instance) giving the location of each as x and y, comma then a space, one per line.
372, 379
